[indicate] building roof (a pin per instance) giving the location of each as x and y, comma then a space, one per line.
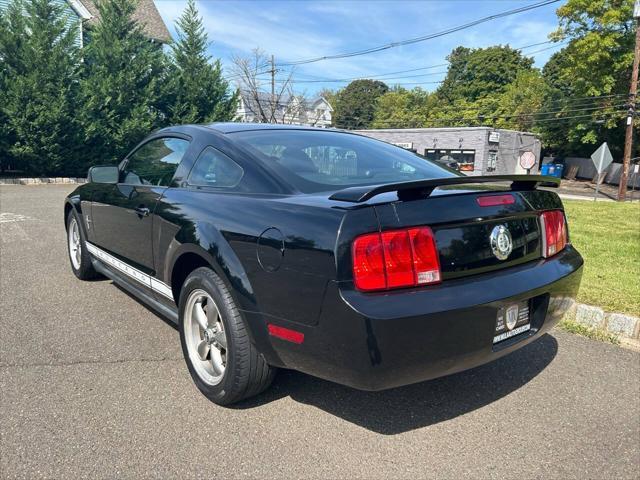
146, 14
441, 129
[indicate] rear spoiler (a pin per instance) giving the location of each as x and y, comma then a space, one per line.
423, 188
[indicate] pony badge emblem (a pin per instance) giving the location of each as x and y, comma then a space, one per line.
501, 242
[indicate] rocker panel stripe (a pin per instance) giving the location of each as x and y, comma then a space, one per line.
146, 280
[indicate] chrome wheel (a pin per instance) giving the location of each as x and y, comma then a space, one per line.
75, 246
205, 337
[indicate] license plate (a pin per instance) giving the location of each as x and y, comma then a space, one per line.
512, 320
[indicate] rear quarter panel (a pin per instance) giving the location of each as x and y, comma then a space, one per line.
287, 280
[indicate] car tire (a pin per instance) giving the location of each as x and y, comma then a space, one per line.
79, 257
230, 368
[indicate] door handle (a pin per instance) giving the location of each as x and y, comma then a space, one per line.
142, 211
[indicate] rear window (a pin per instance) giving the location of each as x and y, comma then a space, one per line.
315, 161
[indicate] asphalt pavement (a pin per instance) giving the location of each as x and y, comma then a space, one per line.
92, 384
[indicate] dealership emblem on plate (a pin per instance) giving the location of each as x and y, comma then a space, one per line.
501, 243
511, 316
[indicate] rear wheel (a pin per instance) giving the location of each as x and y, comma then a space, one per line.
77, 249
221, 359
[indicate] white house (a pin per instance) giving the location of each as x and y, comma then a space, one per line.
289, 109
84, 14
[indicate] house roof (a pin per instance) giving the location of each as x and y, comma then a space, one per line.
285, 100
146, 14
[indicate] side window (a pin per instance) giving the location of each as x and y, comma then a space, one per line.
214, 169
155, 162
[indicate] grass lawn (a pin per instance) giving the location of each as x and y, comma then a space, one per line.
607, 234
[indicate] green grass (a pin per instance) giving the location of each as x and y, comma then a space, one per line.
572, 326
607, 234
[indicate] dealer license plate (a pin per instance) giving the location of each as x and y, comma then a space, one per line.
512, 320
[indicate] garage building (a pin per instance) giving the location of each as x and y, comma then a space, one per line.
474, 150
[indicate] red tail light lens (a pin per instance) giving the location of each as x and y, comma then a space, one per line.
394, 259
368, 262
397, 258
426, 262
555, 232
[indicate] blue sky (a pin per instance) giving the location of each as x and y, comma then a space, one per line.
296, 29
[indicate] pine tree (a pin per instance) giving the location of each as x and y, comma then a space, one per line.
39, 79
198, 93
122, 86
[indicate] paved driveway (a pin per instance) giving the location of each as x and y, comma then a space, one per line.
92, 384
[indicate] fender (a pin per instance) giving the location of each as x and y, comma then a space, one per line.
73, 201
207, 242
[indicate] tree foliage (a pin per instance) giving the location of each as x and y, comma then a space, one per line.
356, 104
481, 72
596, 63
402, 108
122, 84
199, 94
63, 109
39, 88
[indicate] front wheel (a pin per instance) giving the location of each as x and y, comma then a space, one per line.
77, 249
224, 364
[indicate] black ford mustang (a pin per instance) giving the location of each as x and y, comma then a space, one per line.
325, 252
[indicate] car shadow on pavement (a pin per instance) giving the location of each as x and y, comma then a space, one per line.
415, 406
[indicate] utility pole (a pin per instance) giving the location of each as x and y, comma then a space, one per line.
273, 85
628, 138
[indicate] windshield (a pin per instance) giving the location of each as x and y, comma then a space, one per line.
316, 160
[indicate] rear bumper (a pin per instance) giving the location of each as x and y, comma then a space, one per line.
384, 340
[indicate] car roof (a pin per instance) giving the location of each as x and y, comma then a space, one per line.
230, 127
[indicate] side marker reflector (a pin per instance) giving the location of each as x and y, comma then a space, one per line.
285, 334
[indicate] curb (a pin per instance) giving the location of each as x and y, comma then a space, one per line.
622, 325
41, 180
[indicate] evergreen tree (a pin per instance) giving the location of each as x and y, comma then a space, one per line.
39, 79
198, 92
122, 84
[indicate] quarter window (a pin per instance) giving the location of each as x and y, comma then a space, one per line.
155, 162
214, 169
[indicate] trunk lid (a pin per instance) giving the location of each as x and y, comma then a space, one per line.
463, 229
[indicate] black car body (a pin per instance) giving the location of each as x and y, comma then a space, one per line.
281, 240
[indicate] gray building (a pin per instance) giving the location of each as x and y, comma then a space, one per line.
474, 150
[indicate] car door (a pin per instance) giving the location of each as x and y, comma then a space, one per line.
122, 214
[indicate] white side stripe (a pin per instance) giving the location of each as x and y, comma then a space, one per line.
148, 281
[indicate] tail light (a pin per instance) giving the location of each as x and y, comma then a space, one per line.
395, 259
555, 232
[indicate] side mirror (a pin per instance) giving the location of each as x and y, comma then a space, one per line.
105, 174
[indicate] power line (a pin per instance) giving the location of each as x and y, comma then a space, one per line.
489, 118
424, 37
381, 75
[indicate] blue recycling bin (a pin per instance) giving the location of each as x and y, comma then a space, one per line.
544, 169
559, 168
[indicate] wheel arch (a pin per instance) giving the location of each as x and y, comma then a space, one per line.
208, 248
224, 262
73, 204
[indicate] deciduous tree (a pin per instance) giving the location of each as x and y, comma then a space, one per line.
596, 63
356, 103
402, 108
